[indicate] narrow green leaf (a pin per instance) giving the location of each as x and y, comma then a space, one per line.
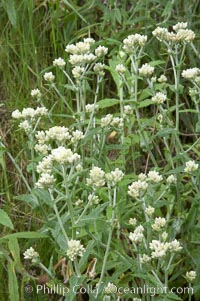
12, 283
28, 235
9, 6
5, 220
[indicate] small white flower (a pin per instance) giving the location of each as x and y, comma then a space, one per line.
146, 70
97, 177
154, 176
76, 136
171, 179
121, 69
180, 25
114, 176
191, 276
132, 221
46, 165
75, 249
159, 223
101, 51
45, 181
117, 122
93, 198
149, 210
159, 98
162, 79
162, 34
59, 62
78, 71
26, 126
175, 246
36, 93
16, 114
137, 187
133, 42
49, 77
191, 166
159, 249
98, 68
191, 73
31, 254
42, 148
89, 108
145, 258
128, 110
105, 121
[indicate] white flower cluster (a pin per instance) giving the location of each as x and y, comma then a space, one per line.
36, 93
98, 68
162, 79
101, 51
191, 166
59, 134
160, 249
109, 120
97, 177
191, 73
60, 62
149, 210
136, 188
76, 136
89, 108
45, 165
45, 181
146, 70
64, 155
80, 53
128, 110
171, 179
159, 98
114, 176
180, 34
145, 258
132, 221
93, 198
78, 71
121, 69
191, 276
133, 42
31, 254
30, 115
49, 77
159, 223
75, 249
137, 236
154, 176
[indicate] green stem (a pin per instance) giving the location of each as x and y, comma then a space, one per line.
108, 242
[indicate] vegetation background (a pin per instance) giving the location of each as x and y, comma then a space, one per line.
33, 33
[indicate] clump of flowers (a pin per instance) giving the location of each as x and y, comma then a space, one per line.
191, 166
159, 223
191, 276
154, 176
146, 70
137, 236
31, 254
136, 188
159, 98
75, 249
114, 176
97, 177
